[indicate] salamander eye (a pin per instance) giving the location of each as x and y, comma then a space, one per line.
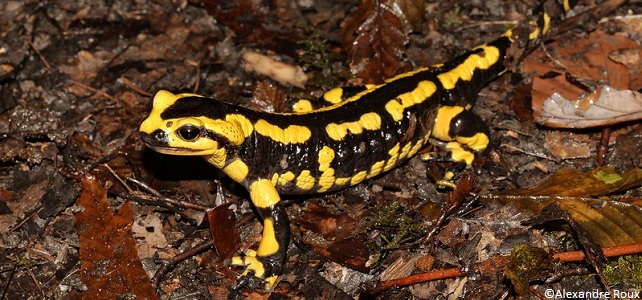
189, 132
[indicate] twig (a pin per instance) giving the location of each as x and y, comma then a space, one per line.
603, 147
91, 89
160, 197
197, 82
123, 182
130, 85
498, 262
25, 220
486, 23
42, 58
167, 265
6, 286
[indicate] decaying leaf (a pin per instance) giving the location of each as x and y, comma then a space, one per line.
604, 106
225, 236
267, 97
610, 221
375, 36
278, 71
337, 240
109, 263
568, 145
586, 60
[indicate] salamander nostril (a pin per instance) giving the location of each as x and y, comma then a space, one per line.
159, 135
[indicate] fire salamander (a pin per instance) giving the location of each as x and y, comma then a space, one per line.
361, 132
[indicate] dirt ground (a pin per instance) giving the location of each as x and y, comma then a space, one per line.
86, 210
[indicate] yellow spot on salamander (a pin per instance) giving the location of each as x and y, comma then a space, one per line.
237, 170
286, 178
232, 130
416, 148
423, 91
392, 161
368, 121
442, 122
547, 23
305, 181
263, 193
268, 245
242, 122
162, 100
359, 177
464, 71
301, 106
326, 181
217, 158
405, 151
460, 154
535, 33
376, 168
334, 95
293, 134
342, 181
326, 156
477, 142
394, 150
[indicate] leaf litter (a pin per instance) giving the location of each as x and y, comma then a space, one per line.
90, 71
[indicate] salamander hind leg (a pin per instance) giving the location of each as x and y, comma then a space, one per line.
463, 134
266, 263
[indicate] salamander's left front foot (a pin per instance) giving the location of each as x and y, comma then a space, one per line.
257, 270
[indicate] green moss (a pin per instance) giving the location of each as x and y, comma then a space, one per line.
453, 19
527, 263
395, 225
625, 270
399, 224
316, 56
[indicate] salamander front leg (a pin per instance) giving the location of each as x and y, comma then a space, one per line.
463, 134
266, 263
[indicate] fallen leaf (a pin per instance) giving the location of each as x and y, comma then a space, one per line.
334, 237
609, 220
565, 145
225, 237
605, 106
150, 231
109, 263
267, 97
375, 36
586, 59
278, 71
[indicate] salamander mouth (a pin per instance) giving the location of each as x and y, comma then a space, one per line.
158, 141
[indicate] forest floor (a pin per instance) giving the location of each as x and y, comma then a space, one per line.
76, 81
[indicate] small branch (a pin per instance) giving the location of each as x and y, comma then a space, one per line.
167, 265
497, 263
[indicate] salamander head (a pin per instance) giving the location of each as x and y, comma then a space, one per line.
188, 124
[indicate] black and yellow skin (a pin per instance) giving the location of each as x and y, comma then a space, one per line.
359, 133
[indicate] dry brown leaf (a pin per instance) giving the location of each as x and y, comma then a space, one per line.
604, 106
586, 59
225, 236
109, 263
267, 97
375, 36
278, 71
565, 145
609, 221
